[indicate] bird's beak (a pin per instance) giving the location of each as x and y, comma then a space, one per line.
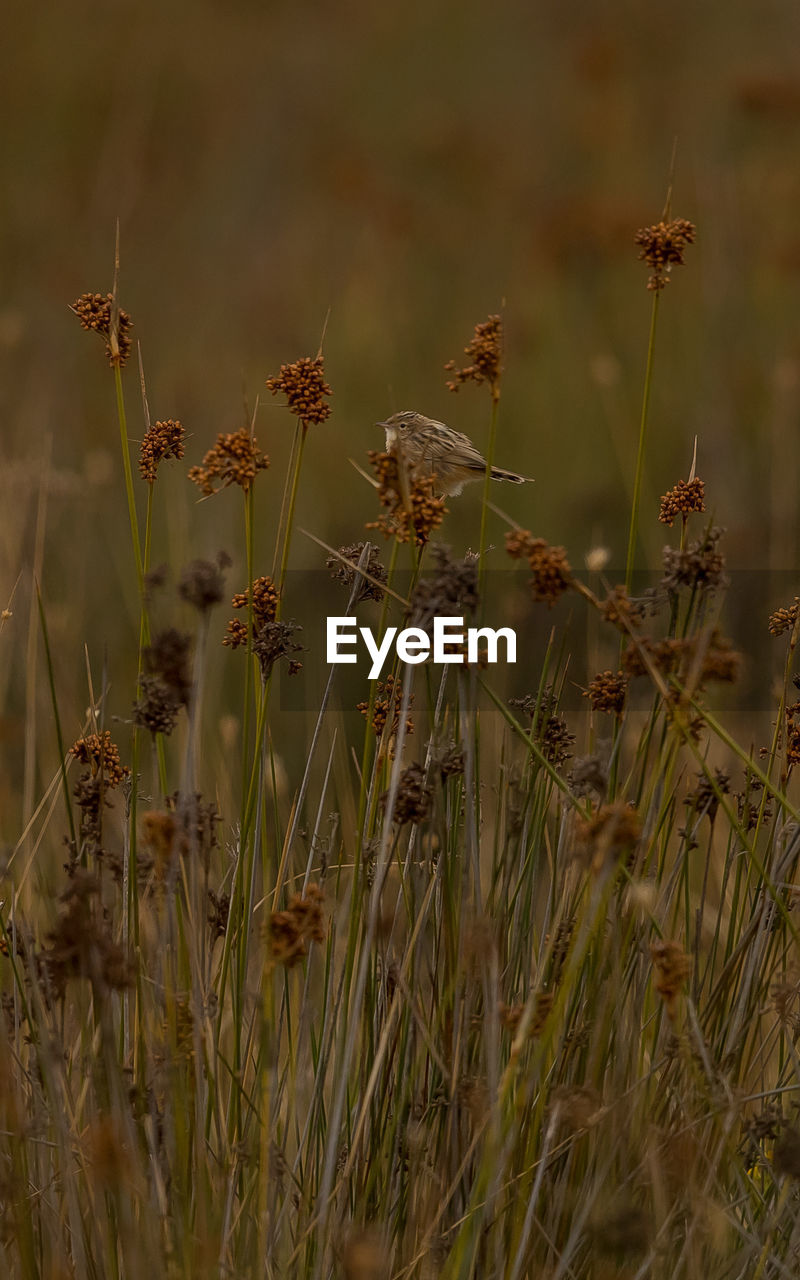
382, 424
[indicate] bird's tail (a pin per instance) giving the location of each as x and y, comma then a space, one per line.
499, 474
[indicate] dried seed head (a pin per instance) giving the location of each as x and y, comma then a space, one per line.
672, 966
450, 592
686, 497
289, 930
417, 514
386, 707
700, 566
202, 582
552, 575
662, 247
484, 353
99, 752
607, 692
274, 641
96, 313
784, 619
155, 709
234, 459
346, 573
413, 800
169, 658
612, 831
303, 383
161, 440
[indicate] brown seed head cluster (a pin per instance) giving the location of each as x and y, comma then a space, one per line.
552, 575
686, 497
672, 966
662, 247
102, 756
386, 707
418, 516
451, 591
234, 459
96, 313
80, 945
413, 800
265, 610
621, 610
511, 1014
784, 619
548, 729
695, 660
704, 798
700, 566
161, 440
290, 930
202, 582
607, 692
346, 573
303, 383
612, 831
274, 641
485, 354
158, 838
168, 661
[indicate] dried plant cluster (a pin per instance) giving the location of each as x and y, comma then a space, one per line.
432, 981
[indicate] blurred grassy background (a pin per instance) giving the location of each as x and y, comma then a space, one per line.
412, 168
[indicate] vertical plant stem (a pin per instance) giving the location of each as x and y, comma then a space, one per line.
637, 484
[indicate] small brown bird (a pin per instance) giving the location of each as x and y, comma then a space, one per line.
431, 448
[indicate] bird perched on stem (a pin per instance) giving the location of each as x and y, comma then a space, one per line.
430, 448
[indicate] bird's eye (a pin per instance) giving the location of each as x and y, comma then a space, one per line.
403, 426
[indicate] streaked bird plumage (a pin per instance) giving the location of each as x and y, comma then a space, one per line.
428, 447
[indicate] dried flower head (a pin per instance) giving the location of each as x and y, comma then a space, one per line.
485, 354
219, 908
202, 582
161, 440
375, 573
289, 930
621, 610
662, 246
784, 619
416, 512
686, 497
612, 831
97, 313
548, 729
413, 800
449, 592
234, 459
700, 566
552, 575
386, 707
158, 838
607, 692
101, 755
80, 945
155, 709
169, 658
704, 798
511, 1015
265, 599
303, 383
275, 640
672, 966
